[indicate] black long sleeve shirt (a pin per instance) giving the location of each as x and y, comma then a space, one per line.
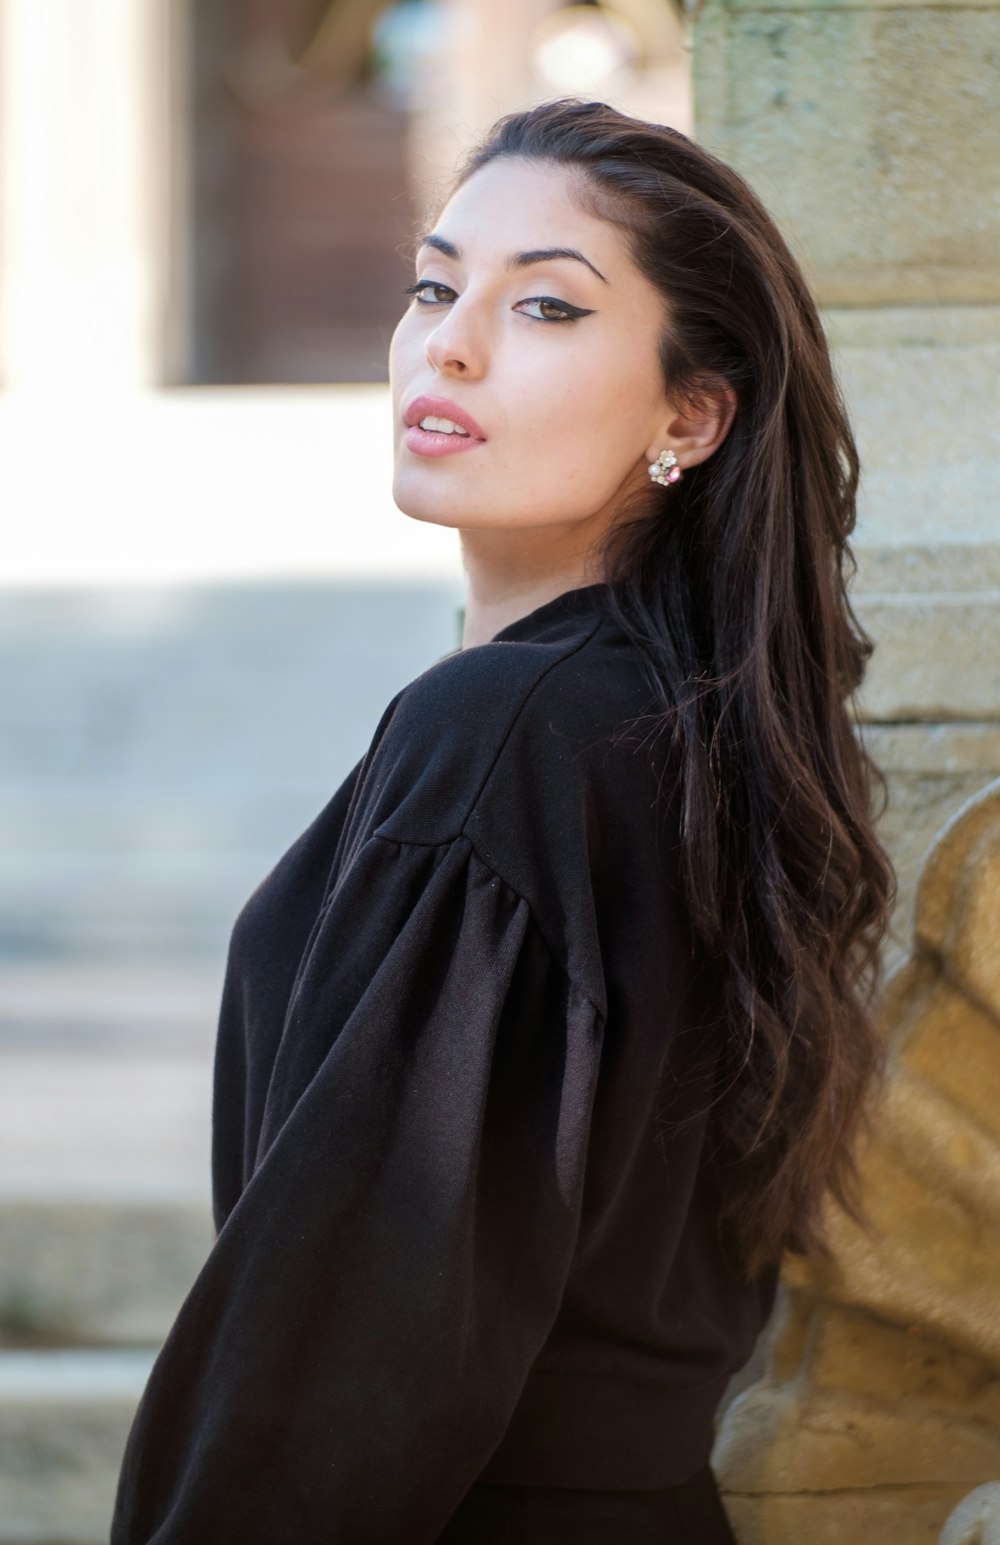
465, 1225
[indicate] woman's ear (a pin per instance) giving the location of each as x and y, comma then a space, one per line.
698, 428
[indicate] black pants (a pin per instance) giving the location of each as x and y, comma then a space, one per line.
689, 1514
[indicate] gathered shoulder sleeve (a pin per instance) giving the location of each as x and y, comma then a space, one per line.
354, 1345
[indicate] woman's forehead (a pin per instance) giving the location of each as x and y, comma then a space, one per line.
514, 207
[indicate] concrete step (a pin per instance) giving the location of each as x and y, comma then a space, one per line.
76, 1005
64, 1420
137, 877
91, 1122
204, 693
160, 747
92, 1272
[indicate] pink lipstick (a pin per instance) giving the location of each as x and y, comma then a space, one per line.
436, 442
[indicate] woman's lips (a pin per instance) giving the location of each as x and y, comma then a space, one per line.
434, 442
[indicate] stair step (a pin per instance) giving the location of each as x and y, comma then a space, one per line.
89, 1273
74, 1005
99, 1123
64, 1420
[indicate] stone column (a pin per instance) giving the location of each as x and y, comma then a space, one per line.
870, 130
879, 1409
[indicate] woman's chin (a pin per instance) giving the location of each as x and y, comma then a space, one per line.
436, 506
431, 515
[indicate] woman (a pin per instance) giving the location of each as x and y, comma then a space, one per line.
553, 1030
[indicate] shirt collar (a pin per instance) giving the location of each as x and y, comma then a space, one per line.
583, 601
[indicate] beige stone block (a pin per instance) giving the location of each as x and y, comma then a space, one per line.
936, 656
864, 1517
933, 1259
936, 1265
784, 1440
973, 830
888, 1354
957, 1047
975, 949
939, 751
934, 772
924, 1131
922, 384
790, 1333
852, 1351
872, 136
921, 801
879, 329
905, 995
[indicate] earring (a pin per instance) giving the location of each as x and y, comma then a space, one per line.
664, 470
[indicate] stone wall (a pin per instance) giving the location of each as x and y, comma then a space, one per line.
880, 1404
870, 130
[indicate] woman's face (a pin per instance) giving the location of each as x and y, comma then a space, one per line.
569, 412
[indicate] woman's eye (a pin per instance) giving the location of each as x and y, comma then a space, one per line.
567, 313
426, 284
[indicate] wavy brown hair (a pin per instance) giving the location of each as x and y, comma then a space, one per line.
733, 585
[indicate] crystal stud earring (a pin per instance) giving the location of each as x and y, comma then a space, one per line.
664, 470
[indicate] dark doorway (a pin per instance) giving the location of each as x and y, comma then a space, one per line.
299, 202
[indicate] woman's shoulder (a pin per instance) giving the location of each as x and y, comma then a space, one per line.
531, 711
538, 759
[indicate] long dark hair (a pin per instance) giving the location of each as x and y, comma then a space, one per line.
733, 585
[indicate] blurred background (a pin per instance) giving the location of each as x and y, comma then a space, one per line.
207, 595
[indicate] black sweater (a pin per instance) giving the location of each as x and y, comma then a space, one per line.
464, 1230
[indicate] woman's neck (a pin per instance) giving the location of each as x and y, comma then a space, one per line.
504, 586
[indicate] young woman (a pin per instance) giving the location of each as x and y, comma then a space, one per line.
554, 1029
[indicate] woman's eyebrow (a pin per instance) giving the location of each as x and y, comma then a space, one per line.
516, 259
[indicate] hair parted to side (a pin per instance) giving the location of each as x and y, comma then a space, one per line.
733, 585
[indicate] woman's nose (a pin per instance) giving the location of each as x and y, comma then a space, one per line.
455, 345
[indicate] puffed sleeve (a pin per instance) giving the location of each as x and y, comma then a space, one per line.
354, 1345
